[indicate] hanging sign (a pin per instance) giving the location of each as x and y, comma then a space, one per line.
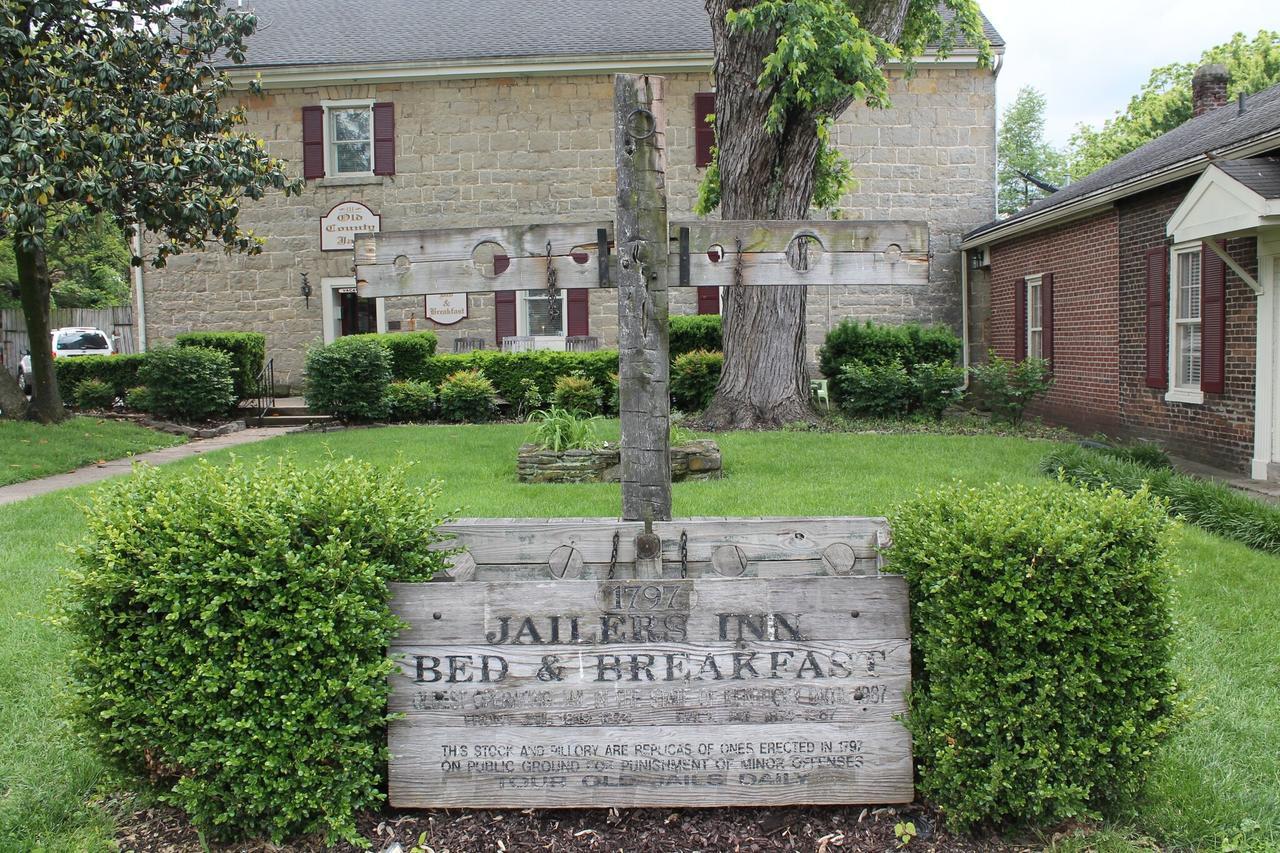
445, 308
341, 224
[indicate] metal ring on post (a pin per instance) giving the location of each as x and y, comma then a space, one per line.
653, 124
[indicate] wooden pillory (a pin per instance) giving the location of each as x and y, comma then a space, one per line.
645, 661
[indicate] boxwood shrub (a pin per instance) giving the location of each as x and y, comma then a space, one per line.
1041, 648
508, 370
579, 394
188, 383
118, 371
229, 627
690, 332
248, 351
870, 343
348, 378
93, 394
694, 376
409, 351
411, 401
467, 397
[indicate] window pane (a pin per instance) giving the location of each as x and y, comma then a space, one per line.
1189, 354
1188, 286
82, 340
1033, 305
1034, 344
538, 315
352, 157
351, 124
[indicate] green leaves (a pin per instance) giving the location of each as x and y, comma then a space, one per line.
348, 378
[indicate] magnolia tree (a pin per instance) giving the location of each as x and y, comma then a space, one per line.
785, 70
113, 107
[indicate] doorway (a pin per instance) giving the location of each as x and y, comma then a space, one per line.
345, 312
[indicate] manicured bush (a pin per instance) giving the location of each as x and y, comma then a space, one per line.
229, 627
694, 376
411, 401
409, 351
559, 429
1041, 648
137, 399
577, 394
869, 343
879, 390
248, 351
467, 397
93, 394
118, 371
1209, 505
690, 332
1008, 387
508, 370
937, 386
188, 383
348, 378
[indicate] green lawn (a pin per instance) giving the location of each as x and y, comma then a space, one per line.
30, 450
1219, 772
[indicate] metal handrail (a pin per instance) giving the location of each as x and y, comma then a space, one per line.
265, 385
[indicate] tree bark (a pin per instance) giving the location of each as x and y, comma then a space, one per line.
766, 176
13, 403
34, 287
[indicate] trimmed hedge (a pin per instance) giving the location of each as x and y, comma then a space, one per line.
348, 378
248, 351
1041, 644
507, 369
577, 394
888, 390
694, 376
229, 626
188, 383
467, 397
93, 394
411, 401
409, 352
118, 371
872, 344
690, 332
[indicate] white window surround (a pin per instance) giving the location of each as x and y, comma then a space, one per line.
1181, 389
541, 341
1034, 319
330, 148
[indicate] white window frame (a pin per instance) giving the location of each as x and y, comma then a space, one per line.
330, 158
1034, 283
522, 321
1179, 393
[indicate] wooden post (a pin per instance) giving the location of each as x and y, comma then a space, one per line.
641, 233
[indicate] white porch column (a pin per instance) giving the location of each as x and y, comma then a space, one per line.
1266, 418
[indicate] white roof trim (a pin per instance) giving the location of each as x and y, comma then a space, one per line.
1220, 206
1106, 196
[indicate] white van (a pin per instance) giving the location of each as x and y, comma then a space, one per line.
66, 343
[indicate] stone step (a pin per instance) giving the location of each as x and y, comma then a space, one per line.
275, 420
288, 410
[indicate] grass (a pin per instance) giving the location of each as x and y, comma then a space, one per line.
30, 450
1218, 773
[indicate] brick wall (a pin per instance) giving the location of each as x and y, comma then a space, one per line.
1082, 256
540, 149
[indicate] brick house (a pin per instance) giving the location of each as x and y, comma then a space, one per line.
497, 113
1150, 286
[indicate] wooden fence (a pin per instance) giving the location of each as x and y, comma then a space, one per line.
14, 340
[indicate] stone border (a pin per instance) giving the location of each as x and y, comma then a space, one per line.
693, 460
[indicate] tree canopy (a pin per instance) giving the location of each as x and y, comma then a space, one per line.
1164, 102
1023, 153
88, 266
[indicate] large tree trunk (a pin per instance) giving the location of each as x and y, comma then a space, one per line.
13, 403
34, 287
766, 176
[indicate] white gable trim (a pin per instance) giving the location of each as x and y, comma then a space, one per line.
1219, 206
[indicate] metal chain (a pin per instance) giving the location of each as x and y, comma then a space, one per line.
684, 553
553, 300
613, 557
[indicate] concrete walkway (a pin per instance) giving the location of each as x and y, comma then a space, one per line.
116, 467
1265, 489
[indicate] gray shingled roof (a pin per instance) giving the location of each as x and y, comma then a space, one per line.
337, 32
1260, 174
1213, 131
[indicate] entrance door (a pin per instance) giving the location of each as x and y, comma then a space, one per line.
343, 312
356, 316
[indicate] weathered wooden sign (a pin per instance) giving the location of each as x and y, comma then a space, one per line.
707, 689
339, 227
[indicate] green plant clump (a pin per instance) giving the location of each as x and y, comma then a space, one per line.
577, 393
94, 394
508, 370
411, 401
348, 378
872, 344
559, 430
1008, 387
229, 627
118, 371
467, 397
248, 351
410, 352
1041, 643
694, 377
888, 390
529, 399
137, 399
188, 383
690, 332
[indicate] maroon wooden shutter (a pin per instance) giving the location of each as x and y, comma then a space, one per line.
1158, 317
708, 300
1020, 319
312, 142
704, 134
1213, 322
504, 314
579, 304
384, 139
1046, 316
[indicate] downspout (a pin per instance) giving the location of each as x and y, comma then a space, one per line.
964, 317
138, 292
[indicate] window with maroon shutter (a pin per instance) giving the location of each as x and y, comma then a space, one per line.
312, 142
1157, 372
708, 300
1020, 319
704, 134
1046, 316
504, 314
577, 310
384, 139
1213, 322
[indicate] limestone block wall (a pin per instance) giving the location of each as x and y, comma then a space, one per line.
540, 149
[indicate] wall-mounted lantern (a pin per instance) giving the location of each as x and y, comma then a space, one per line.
306, 289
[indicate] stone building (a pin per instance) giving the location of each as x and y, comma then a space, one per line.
493, 113
1151, 287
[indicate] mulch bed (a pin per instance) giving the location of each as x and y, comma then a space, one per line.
811, 829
